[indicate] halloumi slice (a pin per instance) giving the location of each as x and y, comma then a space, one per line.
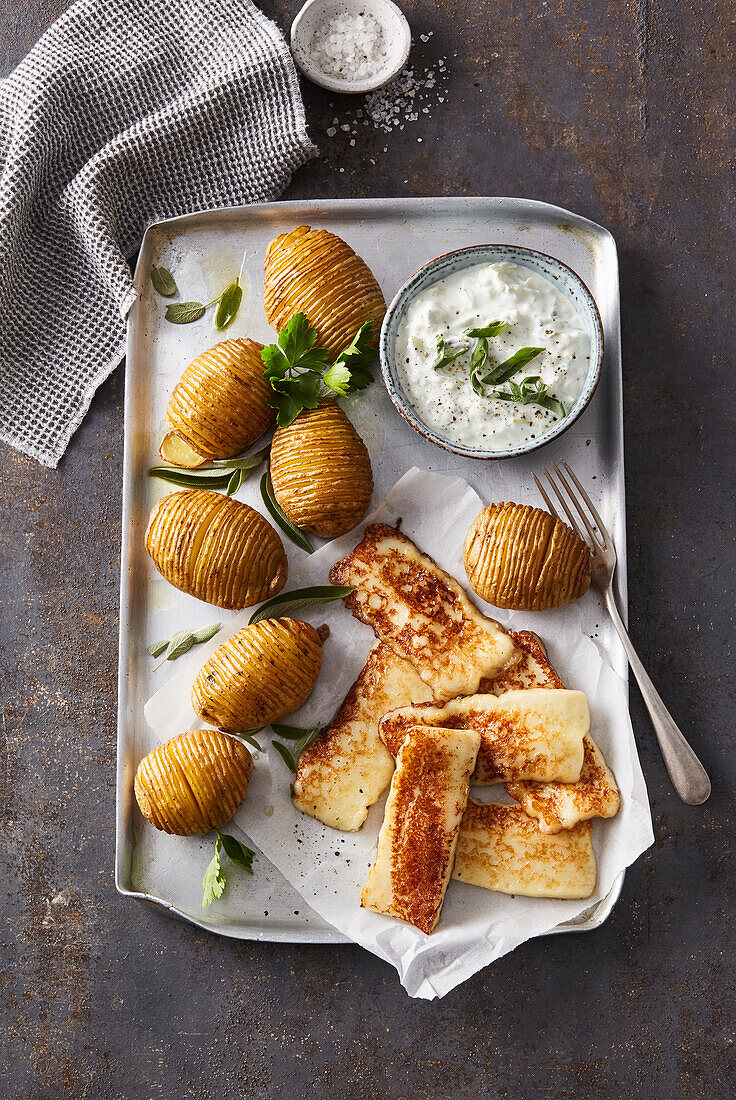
537, 733
502, 849
422, 613
416, 844
347, 769
532, 670
559, 806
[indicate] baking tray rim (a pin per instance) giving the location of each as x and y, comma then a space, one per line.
587, 921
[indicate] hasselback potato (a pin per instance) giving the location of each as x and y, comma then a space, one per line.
258, 676
194, 782
219, 406
321, 472
525, 559
315, 272
215, 548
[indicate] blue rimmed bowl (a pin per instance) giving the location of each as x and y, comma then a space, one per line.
566, 281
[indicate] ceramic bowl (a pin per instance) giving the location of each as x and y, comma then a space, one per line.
396, 34
565, 279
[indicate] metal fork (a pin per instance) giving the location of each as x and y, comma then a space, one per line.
688, 775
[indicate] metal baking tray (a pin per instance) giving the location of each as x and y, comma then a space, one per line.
395, 237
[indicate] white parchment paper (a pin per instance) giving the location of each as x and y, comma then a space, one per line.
329, 867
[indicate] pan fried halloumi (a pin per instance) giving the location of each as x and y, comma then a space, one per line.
524, 734
346, 770
562, 805
416, 845
422, 613
502, 849
532, 670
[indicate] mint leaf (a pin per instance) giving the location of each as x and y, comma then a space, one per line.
445, 357
493, 328
503, 371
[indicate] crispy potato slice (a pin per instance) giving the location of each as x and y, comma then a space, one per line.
525, 559
321, 472
315, 272
194, 782
258, 676
500, 848
216, 548
416, 844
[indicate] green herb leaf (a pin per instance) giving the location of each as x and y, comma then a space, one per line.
493, 328
301, 736
286, 602
358, 357
180, 643
236, 480
285, 755
214, 878
204, 633
237, 852
184, 478
252, 462
297, 337
477, 363
183, 313
277, 513
248, 735
163, 282
157, 648
338, 379
503, 371
445, 357
532, 391
228, 305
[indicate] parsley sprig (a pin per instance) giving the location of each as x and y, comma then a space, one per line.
214, 877
300, 372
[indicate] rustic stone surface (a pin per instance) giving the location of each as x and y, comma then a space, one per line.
620, 111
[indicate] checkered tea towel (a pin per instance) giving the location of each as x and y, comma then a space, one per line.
125, 112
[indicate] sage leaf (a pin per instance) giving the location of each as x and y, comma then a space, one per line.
237, 852
228, 305
214, 878
301, 736
252, 462
236, 480
285, 755
163, 281
279, 516
183, 313
207, 480
204, 633
157, 648
248, 735
181, 642
286, 602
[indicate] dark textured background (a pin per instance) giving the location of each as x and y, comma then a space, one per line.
617, 109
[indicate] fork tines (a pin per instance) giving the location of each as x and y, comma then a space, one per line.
600, 538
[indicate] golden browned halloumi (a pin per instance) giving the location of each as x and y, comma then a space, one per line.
537, 733
502, 849
532, 670
422, 613
343, 773
416, 845
559, 806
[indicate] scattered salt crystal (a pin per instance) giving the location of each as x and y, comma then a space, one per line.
331, 131
352, 141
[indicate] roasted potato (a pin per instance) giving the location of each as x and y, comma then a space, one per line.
194, 782
219, 406
525, 559
321, 472
263, 673
314, 272
215, 548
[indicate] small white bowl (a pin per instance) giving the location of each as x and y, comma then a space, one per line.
396, 34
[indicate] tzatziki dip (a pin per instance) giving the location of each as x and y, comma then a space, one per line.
492, 356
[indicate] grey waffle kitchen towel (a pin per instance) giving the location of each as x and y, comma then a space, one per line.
126, 111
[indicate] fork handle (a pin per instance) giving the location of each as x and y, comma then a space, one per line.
689, 777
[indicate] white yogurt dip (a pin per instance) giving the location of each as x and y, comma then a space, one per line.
537, 315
